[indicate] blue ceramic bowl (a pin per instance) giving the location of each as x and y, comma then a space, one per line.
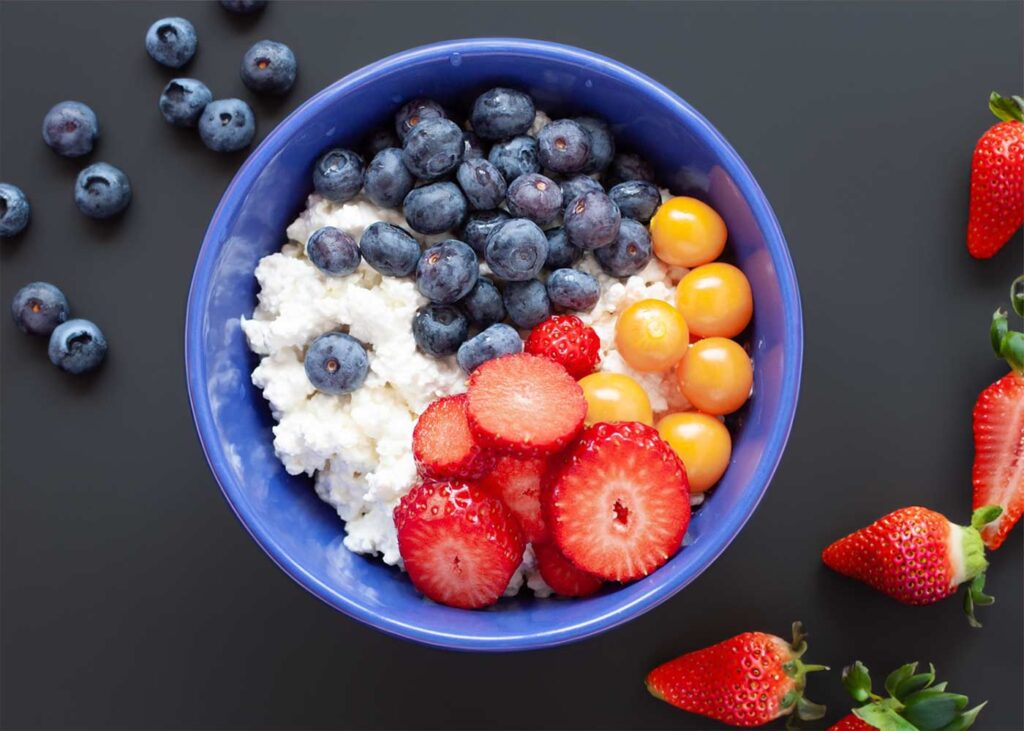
282, 513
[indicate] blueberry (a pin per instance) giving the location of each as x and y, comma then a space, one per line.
473, 148
389, 249
336, 363
77, 346
502, 113
269, 67
446, 272
171, 42
333, 251
38, 308
535, 197
483, 303
592, 220
183, 100
102, 191
70, 129
516, 251
572, 289
439, 330
435, 208
602, 143
561, 253
227, 125
478, 227
338, 175
482, 184
433, 148
630, 251
563, 146
517, 156
388, 180
629, 166
382, 139
578, 185
497, 340
414, 112
243, 7
636, 199
527, 303
14, 210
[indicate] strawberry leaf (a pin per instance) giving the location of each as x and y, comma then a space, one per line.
965, 720
897, 676
1017, 292
883, 718
929, 711
915, 683
1006, 109
857, 681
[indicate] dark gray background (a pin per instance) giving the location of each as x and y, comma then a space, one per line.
133, 599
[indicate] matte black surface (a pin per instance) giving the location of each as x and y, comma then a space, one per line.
132, 598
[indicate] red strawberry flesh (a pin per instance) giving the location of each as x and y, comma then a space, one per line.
517, 481
443, 444
998, 474
561, 575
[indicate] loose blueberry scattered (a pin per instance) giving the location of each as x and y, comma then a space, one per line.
102, 191
561, 253
183, 100
502, 113
572, 289
389, 249
563, 146
269, 67
338, 175
630, 251
77, 346
527, 303
578, 185
243, 7
536, 197
517, 250
70, 128
435, 208
517, 156
387, 180
15, 210
439, 330
414, 112
39, 307
333, 251
636, 199
483, 304
336, 363
497, 340
478, 227
482, 183
227, 125
447, 272
433, 148
171, 42
592, 220
602, 144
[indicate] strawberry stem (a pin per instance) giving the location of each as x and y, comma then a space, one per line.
1007, 109
1007, 344
1017, 295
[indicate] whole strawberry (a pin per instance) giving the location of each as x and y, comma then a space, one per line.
997, 180
914, 703
747, 680
917, 556
566, 340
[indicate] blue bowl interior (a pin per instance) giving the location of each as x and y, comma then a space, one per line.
302, 534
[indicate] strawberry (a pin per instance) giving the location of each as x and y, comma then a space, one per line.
460, 544
618, 503
914, 703
517, 480
524, 404
747, 680
997, 180
917, 556
999, 437
566, 340
443, 444
561, 575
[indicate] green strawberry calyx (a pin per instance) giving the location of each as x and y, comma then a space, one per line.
975, 562
795, 668
1008, 109
914, 701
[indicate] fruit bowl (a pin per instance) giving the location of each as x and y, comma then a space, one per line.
283, 514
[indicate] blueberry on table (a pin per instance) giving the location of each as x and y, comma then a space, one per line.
171, 42
382, 139
446, 272
563, 146
183, 100
602, 144
502, 113
15, 210
630, 251
629, 166
592, 220
336, 363
517, 156
483, 303
636, 199
70, 128
435, 208
497, 340
243, 7
433, 148
39, 307
338, 175
527, 303
227, 125
577, 185
439, 330
413, 112
102, 191
269, 67
77, 346
572, 289
389, 249
482, 183
561, 253
473, 148
387, 180
517, 250
333, 251
536, 197
478, 227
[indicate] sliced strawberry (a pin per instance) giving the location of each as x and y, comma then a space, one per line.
619, 504
517, 480
999, 454
524, 404
443, 444
460, 544
561, 575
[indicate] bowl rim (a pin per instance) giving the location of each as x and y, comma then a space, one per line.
731, 524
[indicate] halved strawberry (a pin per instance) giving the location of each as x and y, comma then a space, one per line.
460, 544
443, 444
517, 480
561, 575
524, 404
618, 505
999, 454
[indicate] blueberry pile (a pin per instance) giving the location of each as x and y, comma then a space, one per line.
530, 207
